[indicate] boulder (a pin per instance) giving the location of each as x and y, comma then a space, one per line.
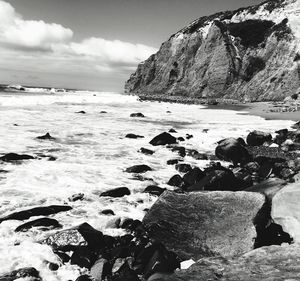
97, 270
296, 125
172, 130
146, 151
46, 222
108, 212
233, 150
163, 139
286, 210
12, 157
172, 161
154, 190
138, 114
180, 150
176, 181
193, 176
28, 273
116, 192
199, 224
134, 136
267, 263
47, 136
76, 197
39, 211
138, 169
81, 112
183, 168
257, 138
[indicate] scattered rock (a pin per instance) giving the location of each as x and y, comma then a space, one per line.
141, 115
188, 136
180, 150
194, 225
138, 169
46, 222
12, 157
133, 136
172, 161
172, 131
63, 239
154, 190
84, 277
38, 211
81, 112
296, 125
103, 111
177, 181
183, 168
180, 139
108, 212
76, 197
163, 139
146, 151
116, 192
193, 176
257, 138
29, 273
47, 136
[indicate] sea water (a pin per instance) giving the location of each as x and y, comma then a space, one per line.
92, 154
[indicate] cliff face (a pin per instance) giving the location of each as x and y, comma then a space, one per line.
250, 54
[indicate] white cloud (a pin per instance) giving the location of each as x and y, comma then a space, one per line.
19, 33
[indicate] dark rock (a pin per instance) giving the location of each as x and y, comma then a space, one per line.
154, 190
26, 272
47, 136
81, 112
172, 161
37, 223
257, 138
124, 273
180, 150
163, 139
137, 114
281, 136
102, 111
188, 136
205, 131
138, 169
244, 178
117, 192
11, 157
39, 211
180, 139
232, 150
193, 176
130, 224
76, 197
183, 168
296, 125
146, 151
108, 212
133, 136
196, 155
53, 266
172, 131
63, 256
176, 181
94, 238
194, 225
84, 278
83, 257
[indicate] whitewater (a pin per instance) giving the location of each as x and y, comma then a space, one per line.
91, 154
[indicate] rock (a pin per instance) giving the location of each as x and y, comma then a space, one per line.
141, 115
125, 273
193, 176
194, 225
233, 150
108, 212
12, 157
84, 278
296, 125
180, 150
98, 269
196, 155
38, 211
163, 139
138, 169
53, 266
154, 190
37, 223
47, 136
130, 224
103, 111
30, 273
180, 139
173, 161
76, 197
183, 168
63, 256
84, 257
94, 238
177, 181
81, 112
172, 131
133, 136
146, 151
257, 138
116, 192
188, 136
267, 263
286, 210
281, 136
244, 178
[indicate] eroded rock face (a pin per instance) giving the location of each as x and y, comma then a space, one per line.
286, 210
205, 224
249, 54
267, 263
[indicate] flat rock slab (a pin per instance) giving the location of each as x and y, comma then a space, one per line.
280, 263
286, 210
200, 224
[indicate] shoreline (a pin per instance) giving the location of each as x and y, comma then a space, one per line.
269, 110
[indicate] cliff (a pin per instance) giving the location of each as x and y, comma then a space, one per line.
251, 54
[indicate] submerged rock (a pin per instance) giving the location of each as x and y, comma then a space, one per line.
134, 136
46, 222
138, 169
194, 225
116, 192
11, 157
47, 136
141, 115
146, 151
163, 139
38, 211
257, 138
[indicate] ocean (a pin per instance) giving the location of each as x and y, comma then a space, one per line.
91, 154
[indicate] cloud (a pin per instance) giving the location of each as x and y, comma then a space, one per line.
29, 34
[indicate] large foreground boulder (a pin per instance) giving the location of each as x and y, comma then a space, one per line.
201, 224
232, 150
286, 210
263, 264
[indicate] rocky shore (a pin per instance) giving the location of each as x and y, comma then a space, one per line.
236, 219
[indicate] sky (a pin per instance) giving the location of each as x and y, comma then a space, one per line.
90, 44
